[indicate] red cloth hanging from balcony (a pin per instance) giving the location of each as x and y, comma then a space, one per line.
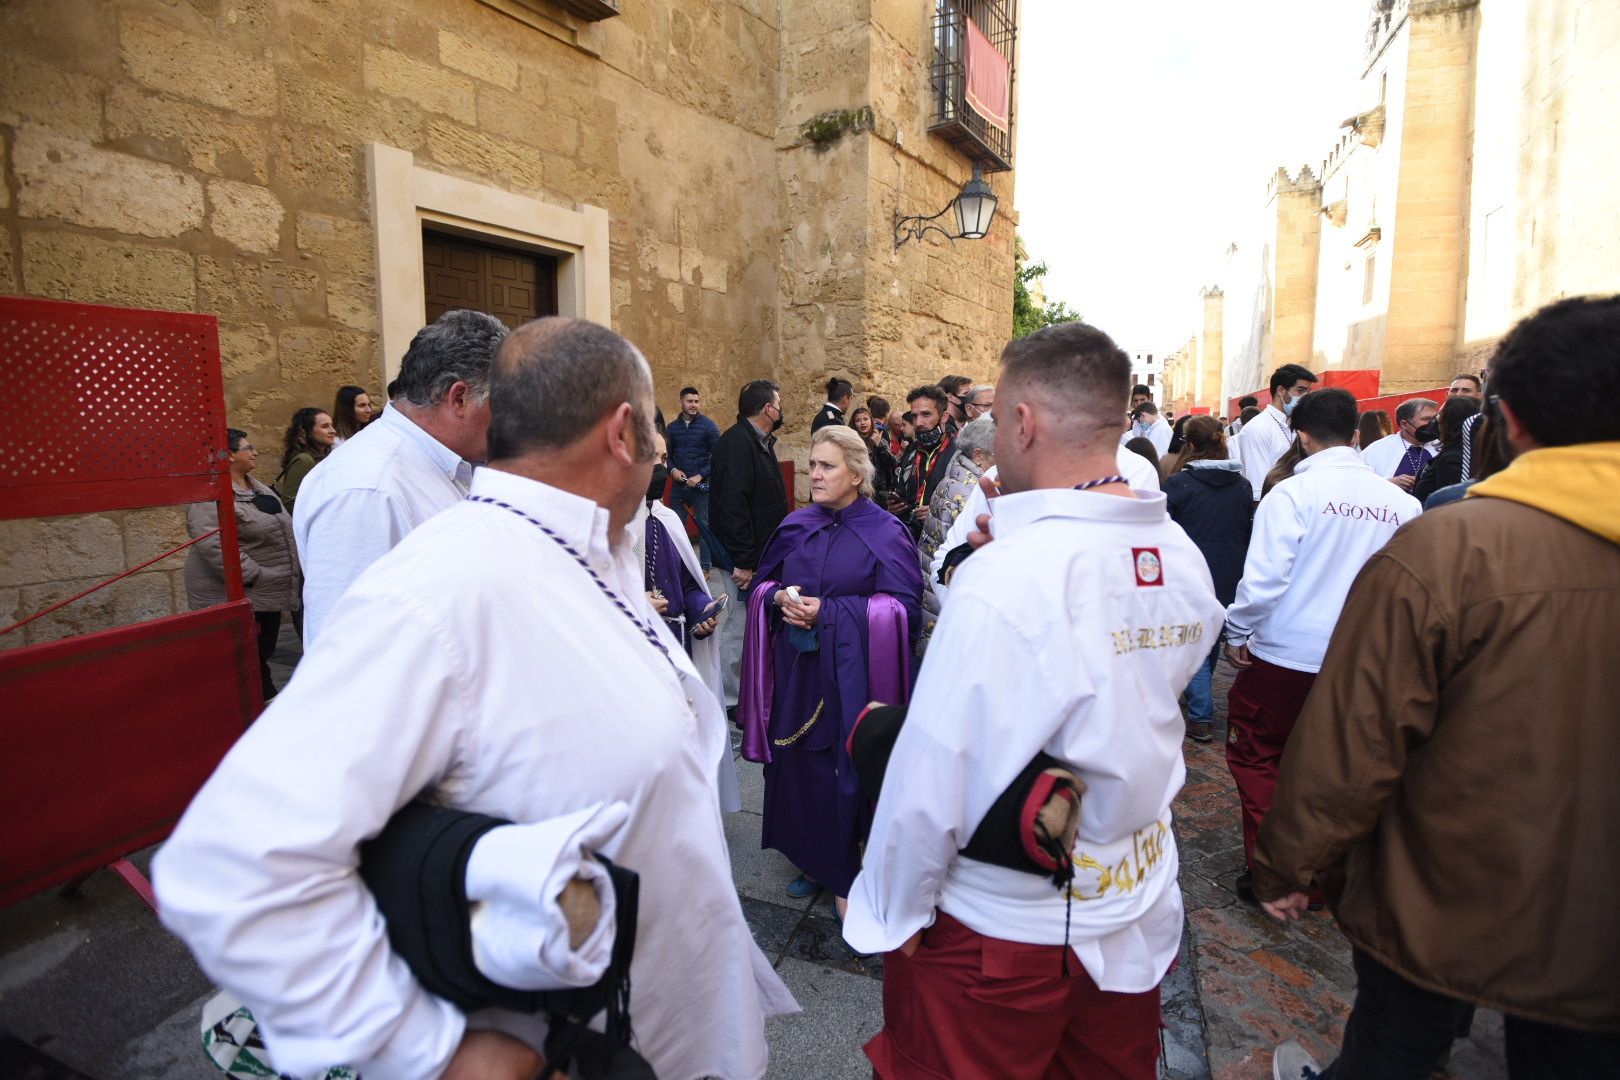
988, 77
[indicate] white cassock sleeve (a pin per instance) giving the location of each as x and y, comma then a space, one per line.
349, 532
982, 709
260, 877
1159, 435
957, 535
1267, 569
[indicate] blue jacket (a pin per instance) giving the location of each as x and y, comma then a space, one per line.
691, 444
1212, 502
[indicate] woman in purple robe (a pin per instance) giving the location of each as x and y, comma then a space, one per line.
832, 615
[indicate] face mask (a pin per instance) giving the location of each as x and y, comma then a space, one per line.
778, 421
1288, 407
1428, 432
660, 477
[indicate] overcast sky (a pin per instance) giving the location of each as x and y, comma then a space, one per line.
1147, 133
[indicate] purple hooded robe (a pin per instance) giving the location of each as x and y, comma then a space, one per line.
798, 707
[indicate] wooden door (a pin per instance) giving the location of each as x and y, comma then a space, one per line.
514, 286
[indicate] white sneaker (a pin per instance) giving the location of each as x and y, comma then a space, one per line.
1290, 1062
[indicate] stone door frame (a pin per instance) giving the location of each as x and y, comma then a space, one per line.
406, 196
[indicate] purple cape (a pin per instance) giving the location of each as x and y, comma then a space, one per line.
797, 708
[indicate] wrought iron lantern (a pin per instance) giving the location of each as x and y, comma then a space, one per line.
974, 208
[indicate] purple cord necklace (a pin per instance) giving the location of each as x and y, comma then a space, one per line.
646, 631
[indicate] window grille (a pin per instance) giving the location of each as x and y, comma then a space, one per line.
953, 119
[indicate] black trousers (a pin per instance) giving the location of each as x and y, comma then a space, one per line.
269, 628
1398, 1031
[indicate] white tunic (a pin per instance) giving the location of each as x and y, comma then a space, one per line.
1158, 433
362, 499
705, 651
1136, 469
1261, 442
1384, 456
1074, 632
1312, 535
479, 663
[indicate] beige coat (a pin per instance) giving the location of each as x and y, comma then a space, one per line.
1452, 780
270, 571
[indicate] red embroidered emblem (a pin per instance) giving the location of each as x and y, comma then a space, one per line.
1149, 570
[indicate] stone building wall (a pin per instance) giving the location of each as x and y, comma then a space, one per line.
211, 156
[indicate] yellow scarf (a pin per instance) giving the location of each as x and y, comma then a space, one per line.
1580, 484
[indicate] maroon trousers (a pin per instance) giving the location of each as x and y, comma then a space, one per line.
969, 1007
1261, 709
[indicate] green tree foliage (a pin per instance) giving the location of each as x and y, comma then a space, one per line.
1029, 317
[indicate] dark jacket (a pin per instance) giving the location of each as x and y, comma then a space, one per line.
691, 444
1442, 471
916, 485
830, 414
1450, 782
748, 500
1212, 502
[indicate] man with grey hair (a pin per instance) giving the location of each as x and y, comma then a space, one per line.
978, 401
1400, 456
411, 462
516, 669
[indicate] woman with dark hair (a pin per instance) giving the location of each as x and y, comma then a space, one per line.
351, 411
309, 438
1177, 440
1446, 467
1284, 467
883, 463
1206, 494
1371, 426
271, 576
1145, 448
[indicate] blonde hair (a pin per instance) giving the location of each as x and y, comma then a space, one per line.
856, 459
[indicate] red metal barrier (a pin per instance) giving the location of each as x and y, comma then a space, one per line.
1362, 382
108, 735
1389, 402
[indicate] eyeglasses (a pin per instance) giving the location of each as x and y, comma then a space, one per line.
245, 446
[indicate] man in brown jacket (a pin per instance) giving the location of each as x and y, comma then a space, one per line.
1453, 784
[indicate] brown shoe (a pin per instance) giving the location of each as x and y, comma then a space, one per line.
1201, 730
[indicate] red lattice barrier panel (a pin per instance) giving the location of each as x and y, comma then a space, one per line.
107, 736
107, 408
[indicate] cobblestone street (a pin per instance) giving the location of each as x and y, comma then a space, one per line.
95, 982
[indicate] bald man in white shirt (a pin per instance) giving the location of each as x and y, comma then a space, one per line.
513, 666
1073, 632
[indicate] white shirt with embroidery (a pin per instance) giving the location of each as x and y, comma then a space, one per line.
1074, 632
477, 663
364, 498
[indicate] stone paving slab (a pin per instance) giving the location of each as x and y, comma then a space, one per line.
1258, 981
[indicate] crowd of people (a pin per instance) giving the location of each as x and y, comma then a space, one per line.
1042, 574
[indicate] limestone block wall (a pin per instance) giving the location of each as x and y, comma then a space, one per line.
1428, 250
1541, 224
46, 560
210, 156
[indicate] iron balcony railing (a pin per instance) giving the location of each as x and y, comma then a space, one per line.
953, 118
